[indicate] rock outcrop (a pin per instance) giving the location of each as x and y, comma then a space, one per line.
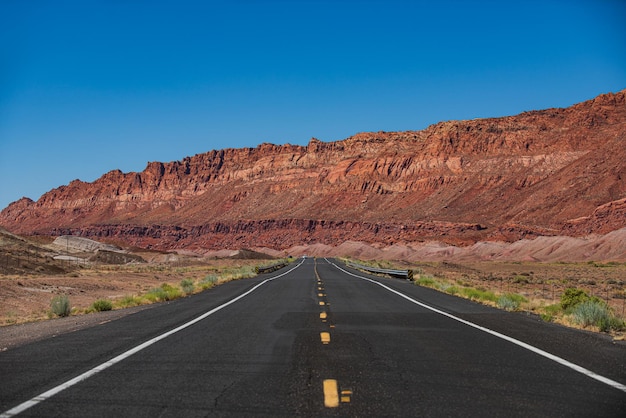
540, 173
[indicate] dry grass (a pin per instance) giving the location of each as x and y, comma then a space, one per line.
537, 286
26, 298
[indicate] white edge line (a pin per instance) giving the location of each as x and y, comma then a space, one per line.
522, 344
49, 393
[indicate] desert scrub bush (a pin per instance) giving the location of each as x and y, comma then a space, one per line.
510, 301
520, 279
209, 281
427, 281
102, 305
597, 313
61, 306
478, 294
452, 290
243, 272
550, 312
442, 286
188, 286
155, 295
163, 293
573, 297
129, 301
592, 312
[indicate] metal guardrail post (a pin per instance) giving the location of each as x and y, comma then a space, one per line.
403, 274
269, 269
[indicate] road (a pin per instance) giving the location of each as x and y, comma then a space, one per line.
317, 339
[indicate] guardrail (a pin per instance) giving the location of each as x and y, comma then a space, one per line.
269, 269
402, 274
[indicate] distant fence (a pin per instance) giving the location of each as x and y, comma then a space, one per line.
402, 274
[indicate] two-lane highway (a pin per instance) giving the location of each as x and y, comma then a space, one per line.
398, 358
316, 339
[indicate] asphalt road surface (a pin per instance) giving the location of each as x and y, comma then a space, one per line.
317, 339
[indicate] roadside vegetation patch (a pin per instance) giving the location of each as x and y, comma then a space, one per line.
208, 281
188, 286
101, 305
164, 293
552, 291
60, 306
27, 297
458, 288
510, 301
129, 301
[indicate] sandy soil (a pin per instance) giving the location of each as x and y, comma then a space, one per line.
543, 282
26, 298
25, 313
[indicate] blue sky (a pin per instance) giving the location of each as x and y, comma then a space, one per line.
91, 86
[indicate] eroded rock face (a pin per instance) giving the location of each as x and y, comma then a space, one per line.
549, 172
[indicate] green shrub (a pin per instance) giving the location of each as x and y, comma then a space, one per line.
60, 305
592, 313
478, 294
209, 281
552, 309
572, 297
510, 302
128, 301
102, 305
155, 295
442, 286
617, 324
520, 279
452, 290
164, 293
171, 292
516, 297
550, 312
427, 281
597, 313
188, 286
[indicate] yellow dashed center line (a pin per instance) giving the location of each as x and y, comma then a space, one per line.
345, 396
331, 393
325, 336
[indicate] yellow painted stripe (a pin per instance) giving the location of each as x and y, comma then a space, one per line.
321, 295
323, 315
345, 396
331, 394
321, 303
325, 336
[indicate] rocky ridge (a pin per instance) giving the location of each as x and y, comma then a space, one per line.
540, 173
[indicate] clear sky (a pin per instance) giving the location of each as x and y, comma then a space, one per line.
91, 86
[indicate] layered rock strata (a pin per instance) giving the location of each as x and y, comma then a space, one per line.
548, 172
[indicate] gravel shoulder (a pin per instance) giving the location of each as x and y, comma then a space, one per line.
12, 336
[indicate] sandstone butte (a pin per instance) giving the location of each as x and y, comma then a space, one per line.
554, 172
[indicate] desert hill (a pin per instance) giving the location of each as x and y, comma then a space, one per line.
554, 172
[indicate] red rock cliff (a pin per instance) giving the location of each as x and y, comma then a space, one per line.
538, 173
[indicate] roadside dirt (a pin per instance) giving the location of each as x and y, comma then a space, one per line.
540, 282
25, 312
16, 335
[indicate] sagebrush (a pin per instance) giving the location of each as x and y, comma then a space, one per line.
61, 306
